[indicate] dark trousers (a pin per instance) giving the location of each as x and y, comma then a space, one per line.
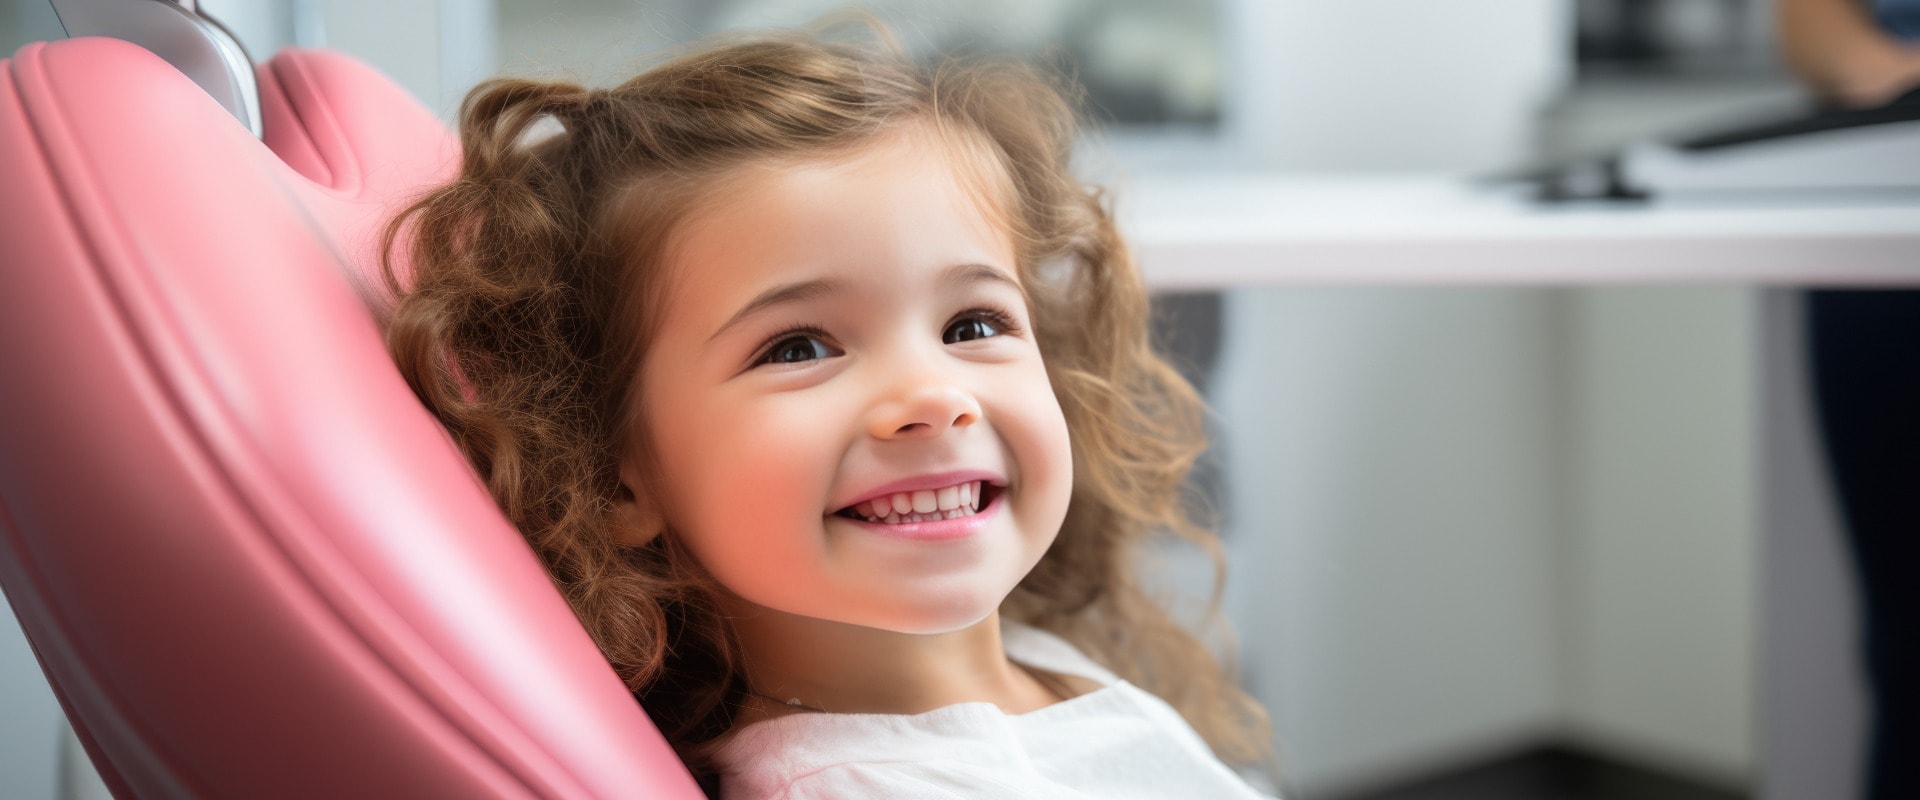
1864, 351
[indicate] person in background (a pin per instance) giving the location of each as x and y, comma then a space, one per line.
1864, 352
1853, 53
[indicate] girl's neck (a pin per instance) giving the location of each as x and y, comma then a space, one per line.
836, 667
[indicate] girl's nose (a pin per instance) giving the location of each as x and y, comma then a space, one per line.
923, 408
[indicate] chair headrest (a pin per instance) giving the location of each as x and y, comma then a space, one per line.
249, 562
360, 149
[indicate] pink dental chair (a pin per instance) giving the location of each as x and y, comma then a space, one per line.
250, 564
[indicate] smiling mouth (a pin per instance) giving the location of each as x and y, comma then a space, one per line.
925, 505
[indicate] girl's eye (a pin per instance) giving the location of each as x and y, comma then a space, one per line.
977, 325
797, 349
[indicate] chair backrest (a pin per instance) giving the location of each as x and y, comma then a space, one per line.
249, 562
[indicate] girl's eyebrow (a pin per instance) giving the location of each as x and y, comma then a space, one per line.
974, 273
784, 293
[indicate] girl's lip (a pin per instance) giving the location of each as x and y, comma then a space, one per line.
927, 482
935, 530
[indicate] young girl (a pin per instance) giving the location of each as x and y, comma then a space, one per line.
823, 391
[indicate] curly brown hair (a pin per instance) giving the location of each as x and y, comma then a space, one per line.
530, 294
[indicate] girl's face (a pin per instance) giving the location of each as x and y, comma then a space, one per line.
846, 409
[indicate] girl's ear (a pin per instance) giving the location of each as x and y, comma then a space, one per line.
636, 518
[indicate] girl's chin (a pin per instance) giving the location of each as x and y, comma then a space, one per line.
931, 627
923, 621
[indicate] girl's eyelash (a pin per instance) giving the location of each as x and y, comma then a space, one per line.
766, 348
1000, 319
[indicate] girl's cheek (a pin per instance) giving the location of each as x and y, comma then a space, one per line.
1044, 432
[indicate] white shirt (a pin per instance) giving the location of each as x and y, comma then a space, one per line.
1114, 742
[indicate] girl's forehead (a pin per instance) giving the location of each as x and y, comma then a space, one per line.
937, 151
921, 171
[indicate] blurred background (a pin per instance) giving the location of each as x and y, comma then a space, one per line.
1484, 542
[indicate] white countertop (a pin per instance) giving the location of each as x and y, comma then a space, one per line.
1222, 230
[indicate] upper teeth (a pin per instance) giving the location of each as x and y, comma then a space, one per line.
920, 506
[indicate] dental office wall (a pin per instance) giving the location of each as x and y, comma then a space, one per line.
1391, 453
1461, 521
1484, 518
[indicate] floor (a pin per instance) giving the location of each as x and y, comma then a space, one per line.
1552, 773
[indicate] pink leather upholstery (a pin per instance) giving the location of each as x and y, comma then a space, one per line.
250, 563
363, 144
